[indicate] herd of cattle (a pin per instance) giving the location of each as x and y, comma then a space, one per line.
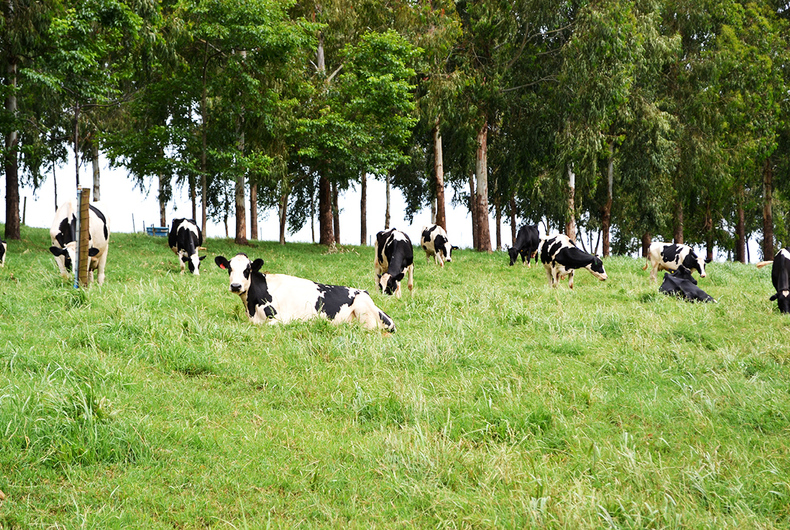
281, 298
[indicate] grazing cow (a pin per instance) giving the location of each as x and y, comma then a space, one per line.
669, 256
561, 258
682, 283
3, 251
436, 245
279, 298
394, 258
184, 239
526, 245
780, 276
64, 243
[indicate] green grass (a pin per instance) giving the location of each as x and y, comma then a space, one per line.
151, 402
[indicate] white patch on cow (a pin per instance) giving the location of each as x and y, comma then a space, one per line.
98, 241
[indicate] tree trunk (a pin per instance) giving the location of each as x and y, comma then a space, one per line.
570, 224
326, 235
363, 210
606, 217
441, 216
204, 147
678, 221
481, 207
254, 211
162, 201
192, 195
473, 210
241, 211
513, 220
387, 208
498, 209
768, 215
283, 216
336, 213
646, 240
12, 226
96, 172
708, 230
312, 216
740, 228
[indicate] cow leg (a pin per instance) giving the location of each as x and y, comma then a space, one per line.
410, 269
654, 273
570, 279
102, 263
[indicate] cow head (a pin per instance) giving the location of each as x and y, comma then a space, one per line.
240, 270
65, 257
193, 262
513, 255
388, 283
596, 268
444, 246
693, 261
783, 301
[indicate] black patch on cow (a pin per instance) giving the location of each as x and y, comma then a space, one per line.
2, 249
439, 244
426, 234
780, 277
389, 324
103, 219
332, 298
66, 231
258, 293
573, 258
57, 251
691, 261
682, 284
399, 254
527, 241
670, 253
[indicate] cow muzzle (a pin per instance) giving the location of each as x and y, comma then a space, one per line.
235, 288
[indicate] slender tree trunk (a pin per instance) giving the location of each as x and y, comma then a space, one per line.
204, 147
647, 238
740, 228
12, 226
55, 186
606, 217
472, 211
481, 208
254, 212
336, 213
192, 195
438, 156
96, 172
678, 221
498, 210
312, 216
77, 144
513, 220
708, 229
768, 215
363, 210
162, 200
241, 211
570, 224
326, 234
283, 215
387, 208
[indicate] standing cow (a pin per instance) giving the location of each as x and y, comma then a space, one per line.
780, 277
669, 256
64, 238
526, 245
561, 258
394, 257
184, 239
436, 245
279, 298
3, 252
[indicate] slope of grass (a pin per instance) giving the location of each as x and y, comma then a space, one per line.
151, 402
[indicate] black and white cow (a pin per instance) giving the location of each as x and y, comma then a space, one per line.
669, 256
780, 277
279, 298
681, 283
184, 239
436, 245
3, 252
64, 233
526, 245
561, 258
394, 258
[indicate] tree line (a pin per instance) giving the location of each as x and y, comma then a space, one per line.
615, 121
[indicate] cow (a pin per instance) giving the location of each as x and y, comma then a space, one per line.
184, 239
279, 298
561, 258
780, 277
394, 257
526, 244
681, 283
64, 238
3, 252
669, 256
436, 245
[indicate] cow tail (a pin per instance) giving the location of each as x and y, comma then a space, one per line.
763, 264
647, 262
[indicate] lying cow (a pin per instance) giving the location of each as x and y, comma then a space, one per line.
394, 259
64, 238
526, 245
669, 256
780, 277
561, 258
3, 252
682, 283
436, 245
184, 239
279, 298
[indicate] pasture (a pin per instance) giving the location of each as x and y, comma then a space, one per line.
151, 402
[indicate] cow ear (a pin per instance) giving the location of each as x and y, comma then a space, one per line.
201, 258
222, 262
56, 251
257, 264
773, 297
184, 259
93, 252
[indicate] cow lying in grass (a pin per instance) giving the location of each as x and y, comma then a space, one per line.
279, 298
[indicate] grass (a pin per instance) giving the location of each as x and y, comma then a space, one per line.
151, 402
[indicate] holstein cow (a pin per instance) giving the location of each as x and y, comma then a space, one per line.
682, 283
526, 244
64, 233
436, 245
561, 258
279, 298
394, 258
184, 239
669, 256
780, 276
3, 251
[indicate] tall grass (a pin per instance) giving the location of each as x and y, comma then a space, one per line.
151, 402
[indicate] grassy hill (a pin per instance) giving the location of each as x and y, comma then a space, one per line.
151, 402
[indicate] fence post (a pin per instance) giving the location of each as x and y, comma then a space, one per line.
84, 237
